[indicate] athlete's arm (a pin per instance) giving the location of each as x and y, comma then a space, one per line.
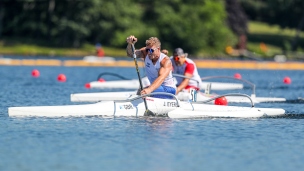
141, 53
164, 71
188, 73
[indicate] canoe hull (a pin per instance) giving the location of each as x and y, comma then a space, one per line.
137, 108
134, 84
97, 59
184, 96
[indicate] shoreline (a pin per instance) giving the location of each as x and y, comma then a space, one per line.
215, 64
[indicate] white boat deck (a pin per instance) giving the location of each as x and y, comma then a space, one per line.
135, 107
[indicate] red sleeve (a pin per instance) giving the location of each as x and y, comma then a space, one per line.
100, 52
189, 68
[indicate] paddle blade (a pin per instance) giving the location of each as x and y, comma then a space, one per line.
149, 113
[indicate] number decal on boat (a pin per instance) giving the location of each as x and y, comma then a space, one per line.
127, 106
194, 94
170, 104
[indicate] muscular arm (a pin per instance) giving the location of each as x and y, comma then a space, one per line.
164, 71
140, 53
188, 73
184, 83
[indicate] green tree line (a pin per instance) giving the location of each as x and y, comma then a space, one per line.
285, 13
196, 25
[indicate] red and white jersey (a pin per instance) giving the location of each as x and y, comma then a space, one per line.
152, 71
188, 67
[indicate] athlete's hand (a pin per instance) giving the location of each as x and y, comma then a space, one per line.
145, 91
165, 51
131, 39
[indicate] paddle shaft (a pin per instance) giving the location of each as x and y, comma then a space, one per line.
138, 74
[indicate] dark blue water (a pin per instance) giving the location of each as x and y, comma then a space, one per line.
96, 143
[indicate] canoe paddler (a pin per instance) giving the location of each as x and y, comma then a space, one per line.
158, 66
182, 65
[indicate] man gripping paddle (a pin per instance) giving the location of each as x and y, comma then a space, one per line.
185, 66
182, 65
158, 66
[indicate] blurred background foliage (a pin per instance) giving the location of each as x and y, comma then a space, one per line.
203, 28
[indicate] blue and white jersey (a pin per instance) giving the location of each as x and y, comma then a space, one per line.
153, 70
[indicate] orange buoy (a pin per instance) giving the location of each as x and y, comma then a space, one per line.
61, 78
287, 80
35, 73
87, 85
221, 101
237, 76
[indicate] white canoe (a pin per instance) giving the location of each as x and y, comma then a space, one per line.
233, 99
184, 96
239, 99
136, 108
255, 99
118, 84
134, 84
103, 96
98, 59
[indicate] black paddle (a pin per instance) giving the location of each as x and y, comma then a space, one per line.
147, 112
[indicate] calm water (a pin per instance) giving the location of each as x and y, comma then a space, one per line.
95, 143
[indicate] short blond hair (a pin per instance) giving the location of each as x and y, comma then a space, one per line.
153, 41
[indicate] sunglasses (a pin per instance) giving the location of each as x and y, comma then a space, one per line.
176, 58
150, 50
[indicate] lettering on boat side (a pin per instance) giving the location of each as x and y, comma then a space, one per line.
149, 99
127, 106
170, 104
